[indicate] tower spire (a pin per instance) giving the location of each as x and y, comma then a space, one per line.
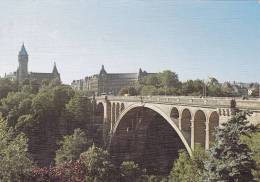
55, 70
103, 71
23, 51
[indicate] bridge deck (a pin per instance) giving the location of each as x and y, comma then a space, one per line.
208, 102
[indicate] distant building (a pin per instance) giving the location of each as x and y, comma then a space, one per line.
107, 83
22, 73
240, 88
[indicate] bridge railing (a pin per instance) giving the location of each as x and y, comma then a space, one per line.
214, 102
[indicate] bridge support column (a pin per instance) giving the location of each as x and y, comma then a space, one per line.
207, 135
192, 135
179, 121
113, 111
105, 113
116, 114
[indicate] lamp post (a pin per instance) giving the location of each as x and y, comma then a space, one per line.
259, 91
205, 88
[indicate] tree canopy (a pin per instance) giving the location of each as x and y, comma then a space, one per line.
71, 147
15, 163
231, 159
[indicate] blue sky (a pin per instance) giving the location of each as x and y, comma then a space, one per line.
194, 38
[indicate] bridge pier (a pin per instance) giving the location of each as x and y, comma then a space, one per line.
207, 135
192, 135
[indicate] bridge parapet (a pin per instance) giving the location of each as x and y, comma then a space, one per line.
208, 102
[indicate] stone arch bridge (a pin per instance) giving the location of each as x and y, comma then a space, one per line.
151, 130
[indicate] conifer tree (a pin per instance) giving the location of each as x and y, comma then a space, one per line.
230, 159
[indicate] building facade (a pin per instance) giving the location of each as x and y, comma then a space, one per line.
107, 83
22, 73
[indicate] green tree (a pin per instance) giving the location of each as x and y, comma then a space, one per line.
78, 113
186, 168
149, 90
98, 166
6, 86
169, 79
231, 160
153, 80
254, 144
193, 87
227, 90
130, 171
15, 105
214, 88
71, 147
61, 96
15, 163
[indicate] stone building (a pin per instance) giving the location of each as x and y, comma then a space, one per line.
22, 73
107, 83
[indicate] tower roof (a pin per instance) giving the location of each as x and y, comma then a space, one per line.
103, 71
55, 70
23, 51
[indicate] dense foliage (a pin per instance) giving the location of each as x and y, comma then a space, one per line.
46, 116
167, 83
188, 168
6, 86
254, 144
130, 171
15, 163
230, 159
98, 165
71, 147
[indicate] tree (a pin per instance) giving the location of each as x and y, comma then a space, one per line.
149, 90
187, 168
98, 166
61, 96
169, 79
15, 162
78, 113
131, 91
193, 87
153, 80
254, 144
6, 86
15, 105
71, 147
214, 88
231, 160
130, 171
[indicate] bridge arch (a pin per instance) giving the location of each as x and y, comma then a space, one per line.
122, 107
185, 124
144, 132
99, 108
199, 121
157, 110
175, 114
213, 123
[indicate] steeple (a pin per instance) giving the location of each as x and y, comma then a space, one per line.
103, 71
140, 71
22, 72
55, 70
23, 51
